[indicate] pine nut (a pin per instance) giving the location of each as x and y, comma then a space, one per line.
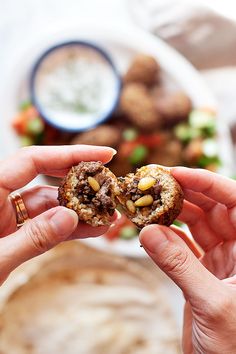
130, 206
146, 183
93, 184
146, 200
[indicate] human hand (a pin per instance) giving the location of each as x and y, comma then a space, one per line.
50, 224
208, 284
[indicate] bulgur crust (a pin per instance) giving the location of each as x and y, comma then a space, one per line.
169, 196
75, 192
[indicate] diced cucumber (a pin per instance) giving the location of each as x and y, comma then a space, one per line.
210, 148
26, 140
24, 105
200, 119
35, 126
130, 134
185, 133
128, 232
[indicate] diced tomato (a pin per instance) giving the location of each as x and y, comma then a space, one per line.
20, 122
126, 148
150, 140
17, 125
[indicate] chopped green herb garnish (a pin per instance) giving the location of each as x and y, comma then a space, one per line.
205, 161
138, 155
209, 131
178, 223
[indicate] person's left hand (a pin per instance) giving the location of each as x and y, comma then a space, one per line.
49, 223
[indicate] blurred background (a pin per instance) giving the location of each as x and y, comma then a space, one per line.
176, 60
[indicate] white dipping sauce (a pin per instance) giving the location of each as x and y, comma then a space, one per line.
74, 86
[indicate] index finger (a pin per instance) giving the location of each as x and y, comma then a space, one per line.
21, 168
217, 187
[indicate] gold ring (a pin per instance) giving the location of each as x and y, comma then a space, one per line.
21, 211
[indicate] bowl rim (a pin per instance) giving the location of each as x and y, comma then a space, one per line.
36, 66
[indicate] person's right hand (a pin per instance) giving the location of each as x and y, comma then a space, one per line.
209, 285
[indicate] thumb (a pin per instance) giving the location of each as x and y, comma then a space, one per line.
174, 257
36, 236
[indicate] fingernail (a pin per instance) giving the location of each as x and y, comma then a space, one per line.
153, 238
158, 165
64, 221
176, 169
114, 152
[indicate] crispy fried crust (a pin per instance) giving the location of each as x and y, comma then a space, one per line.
94, 208
171, 197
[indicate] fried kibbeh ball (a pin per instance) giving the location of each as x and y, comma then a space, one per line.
90, 189
137, 104
103, 135
144, 69
150, 196
169, 153
173, 107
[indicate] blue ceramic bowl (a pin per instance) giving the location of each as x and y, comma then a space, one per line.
75, 86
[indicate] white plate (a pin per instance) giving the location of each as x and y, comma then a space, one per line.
122, 44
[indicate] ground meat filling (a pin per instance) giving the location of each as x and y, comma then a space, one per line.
150, 196
133, 193
102, 199
90, 189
